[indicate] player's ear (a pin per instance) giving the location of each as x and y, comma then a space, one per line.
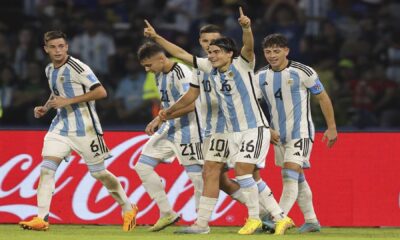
45, 49
287, 50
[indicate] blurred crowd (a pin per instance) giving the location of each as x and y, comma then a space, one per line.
353, 45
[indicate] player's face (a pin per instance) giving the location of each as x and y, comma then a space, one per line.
57, 49
276, 57
218, 57
206, 38
153, 64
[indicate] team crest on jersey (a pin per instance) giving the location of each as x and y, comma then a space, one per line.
231, 74
62, 78
290, 81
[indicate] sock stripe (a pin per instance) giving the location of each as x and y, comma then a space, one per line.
195, 168
148, 160
246, 182
261, 185
49, 164
290, 174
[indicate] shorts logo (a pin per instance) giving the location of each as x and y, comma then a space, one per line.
217, 155
297, 154
247, 156
192, 158
96, 155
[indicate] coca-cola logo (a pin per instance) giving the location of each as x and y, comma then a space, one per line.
78, 197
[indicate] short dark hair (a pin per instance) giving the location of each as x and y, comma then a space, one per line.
210, 28
226, 43
275, 39
50, 35
148, 50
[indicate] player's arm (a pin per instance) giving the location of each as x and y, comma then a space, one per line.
248, 40
182, 105
327, 110
40, 111
96, 92
171, 48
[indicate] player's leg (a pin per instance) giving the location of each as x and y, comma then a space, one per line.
305, 202
304, 199
54, 150
267, 200
154, 152
246, 148
93, 150
216, 148
190, 156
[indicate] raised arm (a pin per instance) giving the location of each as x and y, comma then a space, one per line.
248, 39
171, 48
330, 135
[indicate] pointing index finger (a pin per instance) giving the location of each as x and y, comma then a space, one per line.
241, 11
147, 23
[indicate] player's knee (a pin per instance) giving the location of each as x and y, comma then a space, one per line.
98, 171
143, 169
48, 167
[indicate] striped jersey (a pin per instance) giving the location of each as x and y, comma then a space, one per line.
235, 95
74, 78
213, 119
172, 85
287, 94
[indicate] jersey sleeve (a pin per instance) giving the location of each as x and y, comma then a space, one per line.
312, 82
246, 63
88, 78
195, 80
203, 64
184, 75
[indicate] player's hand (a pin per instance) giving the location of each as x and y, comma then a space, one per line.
330, 136
163, 114
244, 21
153, 126
39, 111
275, 137
58, 102
149, 31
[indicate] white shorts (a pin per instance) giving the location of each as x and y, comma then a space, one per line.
295, 151
250, 146
91, 147
159, 147
216, 148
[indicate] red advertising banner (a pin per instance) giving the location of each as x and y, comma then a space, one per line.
355, 183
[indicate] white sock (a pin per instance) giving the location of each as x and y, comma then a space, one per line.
114, 187
250, 191
197, 181
152, 183
46, 187
238, 196
304, 200
268, 202
206, 207
290, 189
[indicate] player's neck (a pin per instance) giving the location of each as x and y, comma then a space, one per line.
282, 66
168, 66
58, 64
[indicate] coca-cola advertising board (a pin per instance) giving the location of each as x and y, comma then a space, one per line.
355, 183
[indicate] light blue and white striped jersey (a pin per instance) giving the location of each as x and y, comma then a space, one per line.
74, 78
172, 86
213, 119
287, 94
235, 94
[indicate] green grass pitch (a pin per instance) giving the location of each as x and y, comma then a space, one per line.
107, 232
